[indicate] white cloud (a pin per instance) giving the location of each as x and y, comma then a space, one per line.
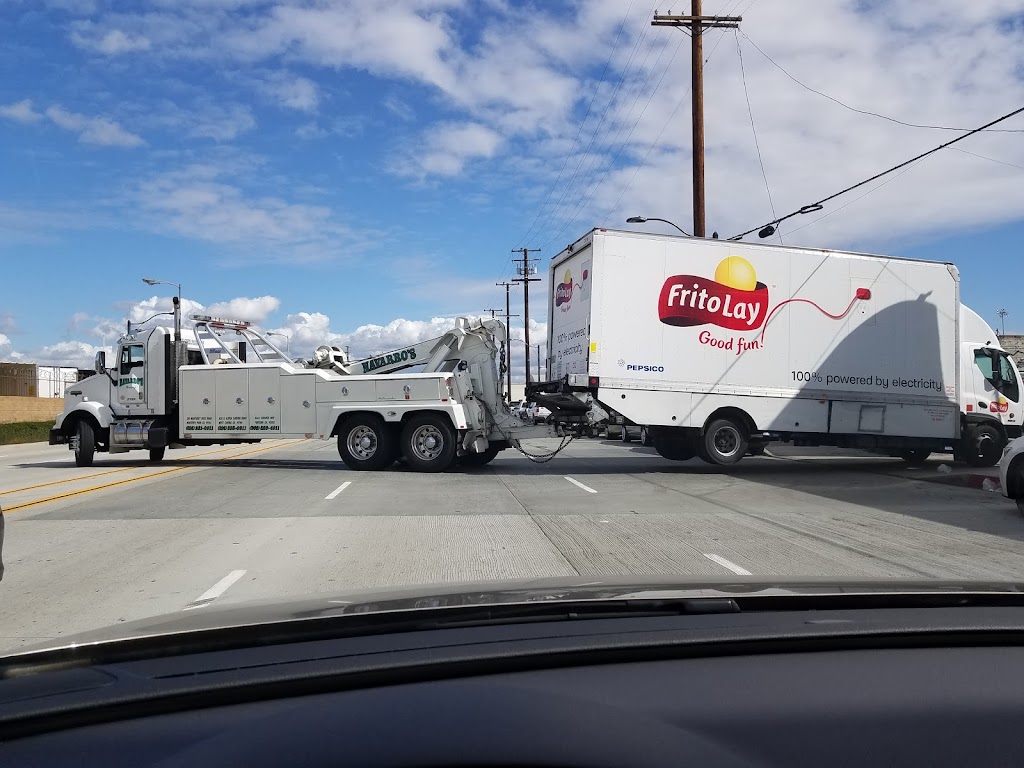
253, 310
220, 123
93, 130
195, 202
77, 354
6, 347
110, 43
398, 108
21, 111
448, 147
310, 131
292, 92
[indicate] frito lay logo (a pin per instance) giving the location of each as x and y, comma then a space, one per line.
999, 407
563, 291
734, 299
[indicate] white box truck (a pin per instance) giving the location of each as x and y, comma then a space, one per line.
719, 347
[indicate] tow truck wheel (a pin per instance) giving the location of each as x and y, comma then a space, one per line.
85, 444
624, 434
724, 442
645, 436
156, 454
428, 442
479, 459
983, 446
366, 443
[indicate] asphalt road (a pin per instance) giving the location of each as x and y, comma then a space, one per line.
123, 540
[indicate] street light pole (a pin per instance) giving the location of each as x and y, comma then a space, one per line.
287, 341
177, 304
643, 219
1002, 316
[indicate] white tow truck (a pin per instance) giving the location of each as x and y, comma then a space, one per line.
232, 385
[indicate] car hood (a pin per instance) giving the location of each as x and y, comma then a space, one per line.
427, 598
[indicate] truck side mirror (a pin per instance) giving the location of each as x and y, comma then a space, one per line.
101, 361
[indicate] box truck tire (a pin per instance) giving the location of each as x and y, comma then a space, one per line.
983, 445
673, 447
85, 444
724, 442
366, 443
915, 457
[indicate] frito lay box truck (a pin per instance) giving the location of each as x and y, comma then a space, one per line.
719, 347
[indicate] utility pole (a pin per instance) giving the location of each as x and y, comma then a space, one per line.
508, 340
1002, 316
697, 24
525, 270
538, 362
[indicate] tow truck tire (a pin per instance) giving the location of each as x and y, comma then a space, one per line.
624, 435
645, 436
428, 442
366, 443
983, 446
724, 442
156, 454
479, 459
85, 447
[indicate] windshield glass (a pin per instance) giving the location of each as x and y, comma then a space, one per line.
448, 293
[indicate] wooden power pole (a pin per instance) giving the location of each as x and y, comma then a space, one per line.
526, 270
697, 23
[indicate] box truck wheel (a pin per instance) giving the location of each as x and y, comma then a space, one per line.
724, 442
983, 445
672, 447
428, 442
915, 457
85, 444
365, 443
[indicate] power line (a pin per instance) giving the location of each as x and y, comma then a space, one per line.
579, 132
820, 204
582, 205
865, 111
757, 146
986, 157
851, 202
661, 133
604, 115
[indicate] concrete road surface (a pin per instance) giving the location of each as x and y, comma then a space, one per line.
126, 539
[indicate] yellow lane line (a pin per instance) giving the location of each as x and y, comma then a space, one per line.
101, 474
82, 491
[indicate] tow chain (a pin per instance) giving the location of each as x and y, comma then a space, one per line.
536, 458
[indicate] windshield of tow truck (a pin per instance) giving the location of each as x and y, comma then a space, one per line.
528, 328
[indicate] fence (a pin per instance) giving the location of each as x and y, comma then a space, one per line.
19, 409
44, 383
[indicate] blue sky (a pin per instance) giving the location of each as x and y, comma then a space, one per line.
359, 172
